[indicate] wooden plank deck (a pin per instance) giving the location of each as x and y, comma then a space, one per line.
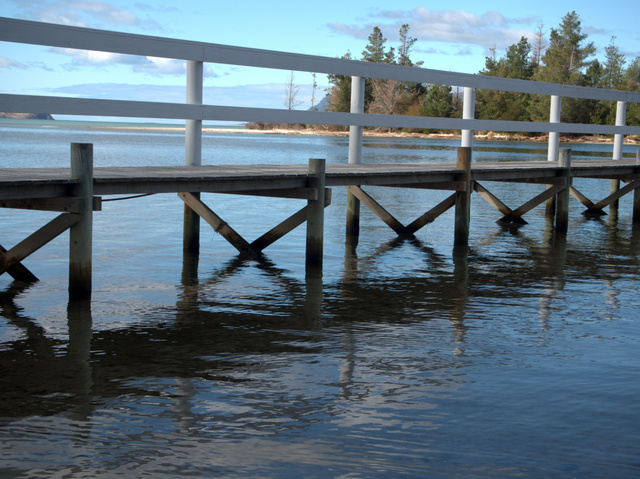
18, 183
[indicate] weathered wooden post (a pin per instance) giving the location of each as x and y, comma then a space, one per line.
315, 216
193, 152
554, 147
636, 194
355, 158
562, 204
618, 143
81, 233
463, 198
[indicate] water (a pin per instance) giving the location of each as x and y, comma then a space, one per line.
407, 359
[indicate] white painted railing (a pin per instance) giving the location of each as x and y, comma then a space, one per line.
198, 53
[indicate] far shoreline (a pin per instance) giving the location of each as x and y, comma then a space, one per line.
318, 131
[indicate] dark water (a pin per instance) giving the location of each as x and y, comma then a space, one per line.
517, 358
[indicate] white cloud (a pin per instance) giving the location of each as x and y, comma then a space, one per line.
139, 64
491, 29
82, 13
9, 63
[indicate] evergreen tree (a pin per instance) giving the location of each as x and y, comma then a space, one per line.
563, 62
614, 67
438, 102
501, 105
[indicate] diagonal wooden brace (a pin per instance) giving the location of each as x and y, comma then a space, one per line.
392, 222
596, 209
515, 216
57, 226
18, 271
218, 224
286, 226
378, 210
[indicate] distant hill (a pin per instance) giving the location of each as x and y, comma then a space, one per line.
27, 116
323, 105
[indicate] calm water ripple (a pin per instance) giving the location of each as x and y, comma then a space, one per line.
518, 358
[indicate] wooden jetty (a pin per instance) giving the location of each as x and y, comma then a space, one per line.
76, 192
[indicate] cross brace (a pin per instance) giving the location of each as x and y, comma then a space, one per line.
515, 216
391, 221
254, 248
596, 208
10, 259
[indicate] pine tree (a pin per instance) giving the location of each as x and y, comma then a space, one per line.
563, 62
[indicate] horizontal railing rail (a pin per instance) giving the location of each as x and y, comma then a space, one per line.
63, 36
194, 111
179, 111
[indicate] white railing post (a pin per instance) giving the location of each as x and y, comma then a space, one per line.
355, 157
618, 142
554, 136
468, 113
621, 120
355, 132
193, 132
193, 152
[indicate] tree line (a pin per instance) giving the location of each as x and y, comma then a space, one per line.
564, 57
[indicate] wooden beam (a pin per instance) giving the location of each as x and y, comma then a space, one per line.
491, 199
37, 240
286, 226
315, 218
296, 193
581, 198
563, 196
440, 185
432, 214
61, 204
81, 232
537, 200
218, 224
377, 209
617, 195
463, 198
18, 271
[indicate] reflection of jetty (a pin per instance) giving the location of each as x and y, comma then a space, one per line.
77, 192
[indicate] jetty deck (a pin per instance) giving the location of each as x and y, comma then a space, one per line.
24, 183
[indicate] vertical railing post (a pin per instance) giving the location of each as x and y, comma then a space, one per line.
355, 157
193, 151
463, 198
315, 216
636, 194
554, 147
81, 233
562, 205
554, 136
618, 143
468, 113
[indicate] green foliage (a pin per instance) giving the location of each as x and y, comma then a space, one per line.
568, 59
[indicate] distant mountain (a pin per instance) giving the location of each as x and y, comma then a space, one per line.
322, 105
27, 116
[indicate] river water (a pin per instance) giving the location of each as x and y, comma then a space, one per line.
517, 358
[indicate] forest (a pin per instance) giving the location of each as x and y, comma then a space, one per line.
565, 56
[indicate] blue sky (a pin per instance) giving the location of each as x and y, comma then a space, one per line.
456, 38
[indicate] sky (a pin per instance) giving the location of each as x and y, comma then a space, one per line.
452, 39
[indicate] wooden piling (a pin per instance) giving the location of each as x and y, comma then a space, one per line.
315, 216
355, 157
562, 201
81, 233
636, 194
463, 198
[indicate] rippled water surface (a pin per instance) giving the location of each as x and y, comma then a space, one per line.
407, 358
